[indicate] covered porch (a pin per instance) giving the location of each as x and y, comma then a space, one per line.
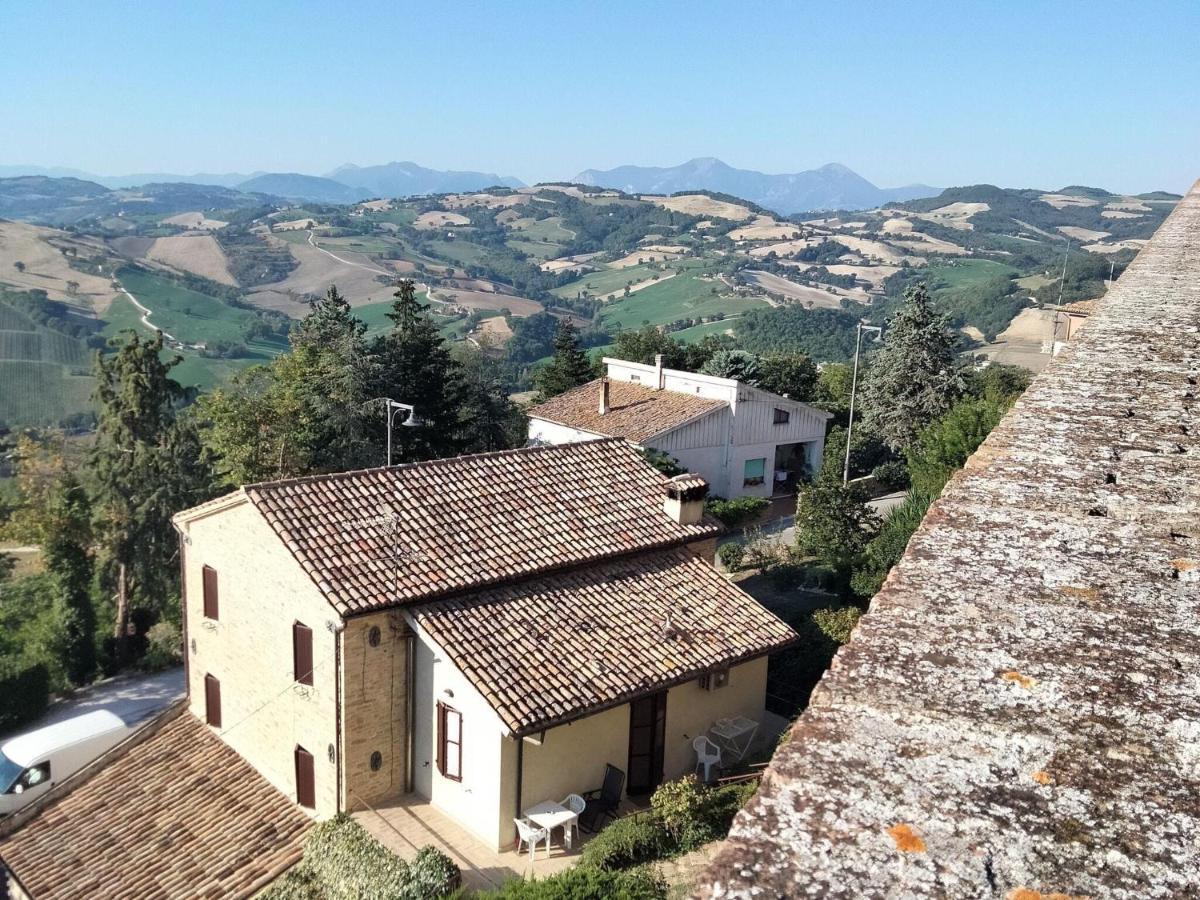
793, 465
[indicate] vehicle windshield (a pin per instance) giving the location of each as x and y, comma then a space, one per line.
9, 773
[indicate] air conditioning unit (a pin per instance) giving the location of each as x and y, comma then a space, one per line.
717, 678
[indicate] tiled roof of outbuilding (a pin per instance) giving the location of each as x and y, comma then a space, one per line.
180, 815
635, 412
546, 651
1018, 715
470, 521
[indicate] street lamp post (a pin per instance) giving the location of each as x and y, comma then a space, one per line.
853, 390
411, 421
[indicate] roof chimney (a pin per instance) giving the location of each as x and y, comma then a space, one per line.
603, 396
684, 501
658, 371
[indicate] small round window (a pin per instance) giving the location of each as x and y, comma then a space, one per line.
373, 636
376, 761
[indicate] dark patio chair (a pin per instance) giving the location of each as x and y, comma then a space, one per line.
602, 803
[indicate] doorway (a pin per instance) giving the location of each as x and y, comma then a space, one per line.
647, 738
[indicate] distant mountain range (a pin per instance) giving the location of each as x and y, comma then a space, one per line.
346, 184
830, 187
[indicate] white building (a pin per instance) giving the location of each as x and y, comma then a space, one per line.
742, 440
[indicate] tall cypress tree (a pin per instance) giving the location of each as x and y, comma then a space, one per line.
67, 552
146, 465
913, 379
413, 365
568, 368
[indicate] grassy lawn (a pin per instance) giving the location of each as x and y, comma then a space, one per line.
403, 216
699, 332
605, 281
458, 251
366, 243
536, 249
951, 276
681, 297
548, 230
190, 316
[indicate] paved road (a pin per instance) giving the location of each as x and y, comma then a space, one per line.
785, 526
134, 698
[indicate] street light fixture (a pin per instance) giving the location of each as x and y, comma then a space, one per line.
411, 421
853, 389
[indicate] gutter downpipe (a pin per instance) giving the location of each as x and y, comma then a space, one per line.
410, 713
520, 775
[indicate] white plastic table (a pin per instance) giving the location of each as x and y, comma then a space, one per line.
735, 735
550, 815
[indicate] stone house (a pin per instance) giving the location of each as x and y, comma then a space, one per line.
486, 632
742, 440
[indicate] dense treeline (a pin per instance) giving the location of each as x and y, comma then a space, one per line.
823, 334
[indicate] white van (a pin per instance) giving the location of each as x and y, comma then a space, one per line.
32, 763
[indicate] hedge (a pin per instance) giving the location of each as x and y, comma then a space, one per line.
24, 693
343, 862
684, 815
736, 512
586, 883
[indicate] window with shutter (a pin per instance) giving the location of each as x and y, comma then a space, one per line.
449, 743
211, 607
302, 653
212, 701
306, 790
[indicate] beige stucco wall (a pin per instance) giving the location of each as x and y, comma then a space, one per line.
692, 710
262, 591
374, 707
478, 802
571, 758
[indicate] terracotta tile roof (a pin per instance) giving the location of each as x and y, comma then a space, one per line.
635, 412
180, 815
470, 521
1018, 715
551, 649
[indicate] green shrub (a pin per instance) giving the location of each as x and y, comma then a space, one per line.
586, 883
679, 806
731, 555
837, 622
432, 873
164, 647
628, 842
343, 862
892, 475
735, 513
24, 692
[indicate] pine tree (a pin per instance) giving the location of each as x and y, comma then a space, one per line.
414, 366
736, 364
912, 379
570, 366
66, 548
146, 466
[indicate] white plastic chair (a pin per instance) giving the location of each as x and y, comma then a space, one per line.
529, 833
708, 754
577, 805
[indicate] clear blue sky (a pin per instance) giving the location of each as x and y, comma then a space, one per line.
1014, 93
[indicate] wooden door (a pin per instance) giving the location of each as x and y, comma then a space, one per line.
647, 737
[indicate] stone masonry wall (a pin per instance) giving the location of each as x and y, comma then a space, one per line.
262, 591
1018, 715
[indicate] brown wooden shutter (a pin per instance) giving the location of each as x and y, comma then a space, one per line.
449, 742
211, 607
212, 701
306, 791
302, 653
441, 738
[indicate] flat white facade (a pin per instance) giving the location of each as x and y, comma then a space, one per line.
741, 449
